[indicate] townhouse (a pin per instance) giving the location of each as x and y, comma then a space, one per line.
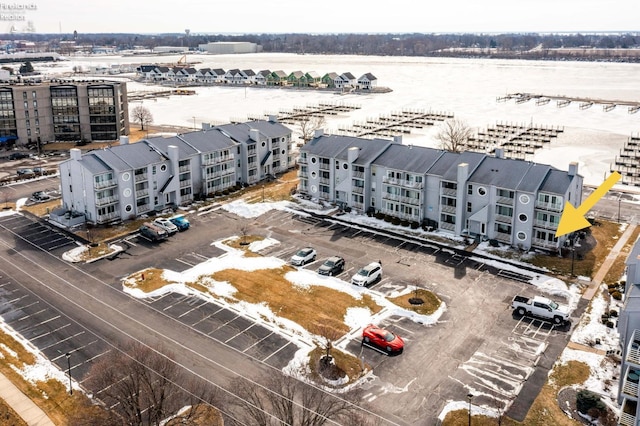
629, 330
124, 181
469, 194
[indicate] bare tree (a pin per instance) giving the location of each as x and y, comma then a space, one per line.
454, 134
309, 124
326, 336
144, 387
142, 115
286, 400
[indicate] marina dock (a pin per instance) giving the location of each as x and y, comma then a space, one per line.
297, 114
395, 123
627, 163
563, 101
140, 96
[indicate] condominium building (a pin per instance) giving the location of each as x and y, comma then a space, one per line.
629, 329
472, 194
124, 181
60, 110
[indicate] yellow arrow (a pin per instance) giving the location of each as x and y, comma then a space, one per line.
572, 219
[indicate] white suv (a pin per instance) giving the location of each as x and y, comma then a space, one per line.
304, 256
367, 274
166, 224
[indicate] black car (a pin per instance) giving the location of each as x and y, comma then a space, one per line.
40, 196
18, 156
332, 266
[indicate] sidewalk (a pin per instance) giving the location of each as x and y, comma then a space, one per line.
21, 404
604, 268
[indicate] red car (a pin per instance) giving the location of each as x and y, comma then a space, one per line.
382, 338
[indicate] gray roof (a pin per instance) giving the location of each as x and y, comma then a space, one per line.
184, 150
556, 181
348, 76
235, 133
368, 76
500, 172
334, 146
447, 165
248, 73
93, 164
137, 155
218, 71
535, 176
113, 161
208, 140
415, 159
240, 132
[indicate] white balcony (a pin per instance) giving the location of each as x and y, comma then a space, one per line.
630, 383
103, 201
104, 184
357, 189
505, 200
448, 226
142, 193
185, 183
107, 217
539, 242
628, 413
142, 208
545, 224
633, 349
139, 177
549, 206
503, 218
448, 209
389, 196
501, 236
449, 192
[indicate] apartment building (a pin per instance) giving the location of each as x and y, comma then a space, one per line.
629, 329
471, 194
60, 110
124, 181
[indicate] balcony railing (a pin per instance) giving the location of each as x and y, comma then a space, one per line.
388, 196
183, 169
324, 196
505, 200
358, 206
627, 419
324, 166
633, 349
630, 384
139, 177
107, 217
103, 201
549, 206
357, 189
142, 208
448, 226
142, 193
324, 181
503, 218
545, 224
449, 209
185, 183
539, 242
302, 160
410, 200
501, 236
449, 192
358, 175
104, 184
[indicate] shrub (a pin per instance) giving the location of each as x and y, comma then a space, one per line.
414, 225
388, 218
404, 223
380, 215
612, 285
623, 282
609, 324
587, 400
616, 295
395, 221
613, 313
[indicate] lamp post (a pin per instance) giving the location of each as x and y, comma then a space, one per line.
619, 201
469, 397
263, 193
194, 122
68, 355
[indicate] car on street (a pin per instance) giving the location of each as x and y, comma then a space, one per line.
332, 266
153, 233
18, 156
180, 222
303, 256
367, 275
383, 339
166, 224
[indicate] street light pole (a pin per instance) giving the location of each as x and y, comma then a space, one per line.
619, 201
194, 122
469, 397
68, 355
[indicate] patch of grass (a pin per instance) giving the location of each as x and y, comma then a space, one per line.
277, 190
148, 280
617, 268
304, 306
9, 416
430, 305
606, 234
350, 365
42, 209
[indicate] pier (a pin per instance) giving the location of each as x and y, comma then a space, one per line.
517, 141
563, 101
395, 123
627, 163
298, 114
141, 96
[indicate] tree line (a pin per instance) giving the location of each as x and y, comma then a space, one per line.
521, 45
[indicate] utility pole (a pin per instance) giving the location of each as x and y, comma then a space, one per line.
68, 355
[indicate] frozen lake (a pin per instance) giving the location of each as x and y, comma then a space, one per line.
468, 88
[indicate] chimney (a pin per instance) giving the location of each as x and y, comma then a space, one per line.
254, 135
352, 154
174, 155
499, 153
397, 139
573, 168
124, 140
75, 154
463, 173
317, 133
206, 126
273, 118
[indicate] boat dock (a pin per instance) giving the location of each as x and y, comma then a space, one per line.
395, 123
627, 163
563, 101
517, 141
141, 96
295, 115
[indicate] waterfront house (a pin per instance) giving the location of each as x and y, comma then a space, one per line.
367, 81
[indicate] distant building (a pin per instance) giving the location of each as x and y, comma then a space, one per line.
170, 49
127, 180
228, 47
60, 110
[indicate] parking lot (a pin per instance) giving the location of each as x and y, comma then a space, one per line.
30, 233
477, 345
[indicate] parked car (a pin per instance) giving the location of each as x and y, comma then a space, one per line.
40, 196
367, 275
541, 307
383, 339
181, 222
303, 256
17, 156
332, 266
166, 224
22, 172
153, 233
39, 170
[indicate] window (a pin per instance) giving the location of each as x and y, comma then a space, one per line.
313, 160
33, 94
24, 95
35, 103
524, 199
468, 207
482, 191
470, 190
521, 236
522, 217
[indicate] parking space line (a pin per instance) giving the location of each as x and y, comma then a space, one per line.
192, 309
19, 308
259, 341
198, 255
40, 323
178, 301
31, 315
185, 262
222, 325
50, 332
239, 333
205, 318
17, 299
63, 340
273, 353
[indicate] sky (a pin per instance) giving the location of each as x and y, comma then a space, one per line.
286, 16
